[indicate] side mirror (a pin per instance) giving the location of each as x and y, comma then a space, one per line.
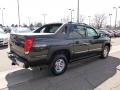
100, 34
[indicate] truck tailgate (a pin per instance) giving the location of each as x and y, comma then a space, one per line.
17, 44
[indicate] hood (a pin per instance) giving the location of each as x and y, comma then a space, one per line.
3, 36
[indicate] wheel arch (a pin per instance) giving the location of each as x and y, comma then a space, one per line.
108, 44
66, 52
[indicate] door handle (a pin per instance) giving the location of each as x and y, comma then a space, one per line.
85, 43
76, 42
91, 41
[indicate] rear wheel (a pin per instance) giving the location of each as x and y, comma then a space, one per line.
59, 64
105, 52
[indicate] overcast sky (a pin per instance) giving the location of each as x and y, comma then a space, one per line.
55, 9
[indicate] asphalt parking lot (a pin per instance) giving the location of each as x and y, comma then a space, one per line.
88, 74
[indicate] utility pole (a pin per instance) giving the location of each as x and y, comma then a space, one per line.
116, 16
78, 12
2, 15
89, 19
71, 10
44, 17
18, 12
110, 19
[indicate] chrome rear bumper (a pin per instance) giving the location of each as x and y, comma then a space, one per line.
16, 60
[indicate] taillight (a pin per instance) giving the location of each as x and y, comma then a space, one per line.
28, 44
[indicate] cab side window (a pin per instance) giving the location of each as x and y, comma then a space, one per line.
91, 32
77, 32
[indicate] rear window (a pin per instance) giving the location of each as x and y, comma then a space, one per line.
24, 31
21, 30
51, 28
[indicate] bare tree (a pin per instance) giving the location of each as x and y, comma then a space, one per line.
99, 20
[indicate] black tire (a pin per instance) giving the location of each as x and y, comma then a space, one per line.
105, 51
54, 64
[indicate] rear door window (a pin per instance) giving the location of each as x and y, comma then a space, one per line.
91, 32
78, 31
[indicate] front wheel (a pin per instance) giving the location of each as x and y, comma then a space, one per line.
59, 64
105, 52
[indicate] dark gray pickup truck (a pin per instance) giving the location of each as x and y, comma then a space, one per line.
56, 45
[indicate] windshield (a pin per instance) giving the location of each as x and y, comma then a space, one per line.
51, 28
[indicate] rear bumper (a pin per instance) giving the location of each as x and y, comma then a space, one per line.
17, 60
